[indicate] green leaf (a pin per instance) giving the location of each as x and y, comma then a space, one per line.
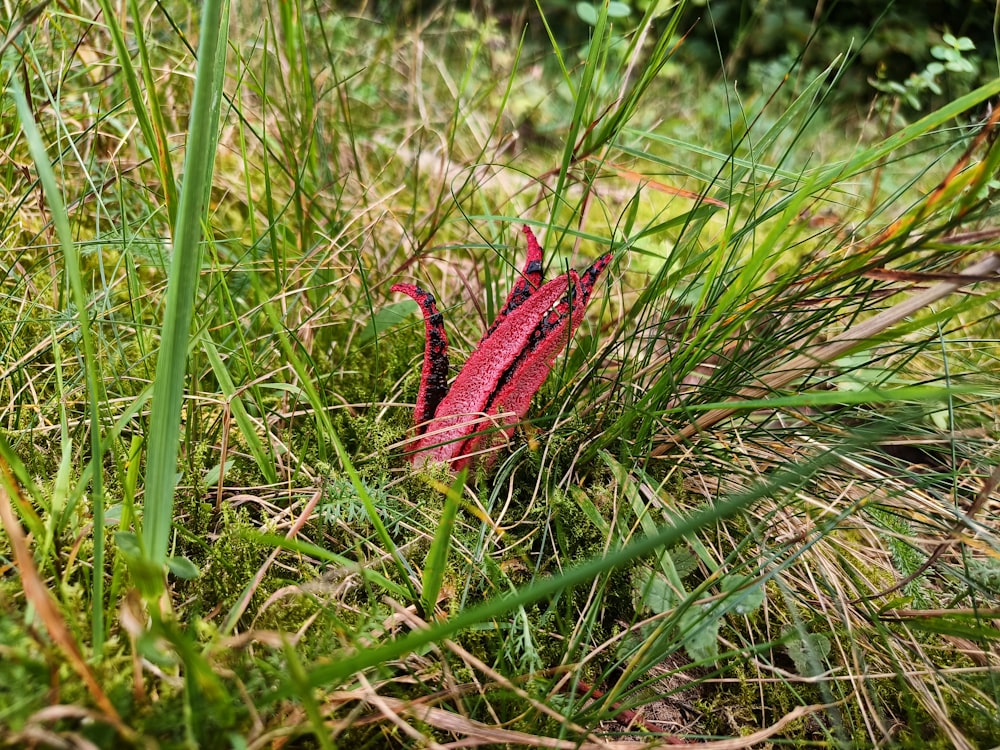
587, 13
809, 653
387, 318
655, 593
700, 633
653, 590
685, 561
94, 383
217, 473
147, 575
182, 285
743, 598
956, 626
619, 10
262, 456
128, 544
181, 567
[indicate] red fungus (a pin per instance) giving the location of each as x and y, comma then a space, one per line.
508, 366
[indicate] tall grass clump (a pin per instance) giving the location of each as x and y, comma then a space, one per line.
755, 500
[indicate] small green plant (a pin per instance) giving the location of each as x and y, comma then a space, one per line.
953, 62
808, 653
590, 13
341, 503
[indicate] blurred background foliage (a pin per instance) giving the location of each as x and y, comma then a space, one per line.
894, 39
927, 53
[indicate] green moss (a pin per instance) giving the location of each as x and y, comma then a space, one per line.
24, 671
230, 562
371, 437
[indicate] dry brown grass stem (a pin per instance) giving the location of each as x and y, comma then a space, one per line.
476, 733
244, 601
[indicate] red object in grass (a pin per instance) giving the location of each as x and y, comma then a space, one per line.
508, 366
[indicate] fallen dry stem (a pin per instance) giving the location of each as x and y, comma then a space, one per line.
476, 733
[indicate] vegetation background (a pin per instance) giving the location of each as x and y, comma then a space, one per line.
754, 502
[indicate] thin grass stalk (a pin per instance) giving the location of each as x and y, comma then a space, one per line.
262, 456
171, 365
583, 97
155, 126
859, 336
300, 678
60, 220
645, 66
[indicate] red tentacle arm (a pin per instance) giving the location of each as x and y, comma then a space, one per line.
526, 285
434, 375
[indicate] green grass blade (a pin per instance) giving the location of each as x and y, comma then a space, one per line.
74, 275
171, 366
437, 555
305, 548
303, 691
816, 399
584, 97
150, 120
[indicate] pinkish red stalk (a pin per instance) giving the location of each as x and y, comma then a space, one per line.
527, 283
434, 376
507, 368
